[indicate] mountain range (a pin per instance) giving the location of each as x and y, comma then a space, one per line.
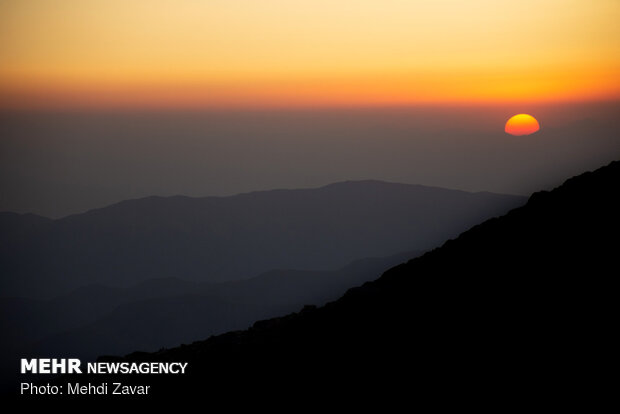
516, 310
98, 319
217, 239
146, 274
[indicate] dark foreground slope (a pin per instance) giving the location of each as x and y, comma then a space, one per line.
517, 306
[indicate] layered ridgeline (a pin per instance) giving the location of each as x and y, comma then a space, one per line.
229, 238
96, 319
518, 305
158, 272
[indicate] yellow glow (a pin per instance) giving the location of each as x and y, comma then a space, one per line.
307, 52
521, 124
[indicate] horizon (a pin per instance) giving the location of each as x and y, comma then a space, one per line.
59, 163
269, 190
112, 100
108, 100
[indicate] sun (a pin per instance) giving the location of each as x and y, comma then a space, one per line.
521, 124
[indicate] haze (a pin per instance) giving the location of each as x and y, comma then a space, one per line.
56, 164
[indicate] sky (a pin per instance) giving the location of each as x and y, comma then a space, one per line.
55, 164
281, 53
106, 100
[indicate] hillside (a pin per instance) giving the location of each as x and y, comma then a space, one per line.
516, 307
96, 319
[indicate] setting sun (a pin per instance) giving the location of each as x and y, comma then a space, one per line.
522, 124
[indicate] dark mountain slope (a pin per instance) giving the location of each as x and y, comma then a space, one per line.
217, 239
517, 307
95, 320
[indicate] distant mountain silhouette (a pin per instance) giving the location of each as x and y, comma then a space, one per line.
216, 239
166, 312
516, 309
97, 319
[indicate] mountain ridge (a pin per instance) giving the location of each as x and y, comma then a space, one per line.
255, 192
202, 239
97, 319
517, 307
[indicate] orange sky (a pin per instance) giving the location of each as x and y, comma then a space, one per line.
230, 53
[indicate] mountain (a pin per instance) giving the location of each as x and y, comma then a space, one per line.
97, 319
518, 310
216, 239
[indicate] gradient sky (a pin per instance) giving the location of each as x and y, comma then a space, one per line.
240, 53
105, 100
